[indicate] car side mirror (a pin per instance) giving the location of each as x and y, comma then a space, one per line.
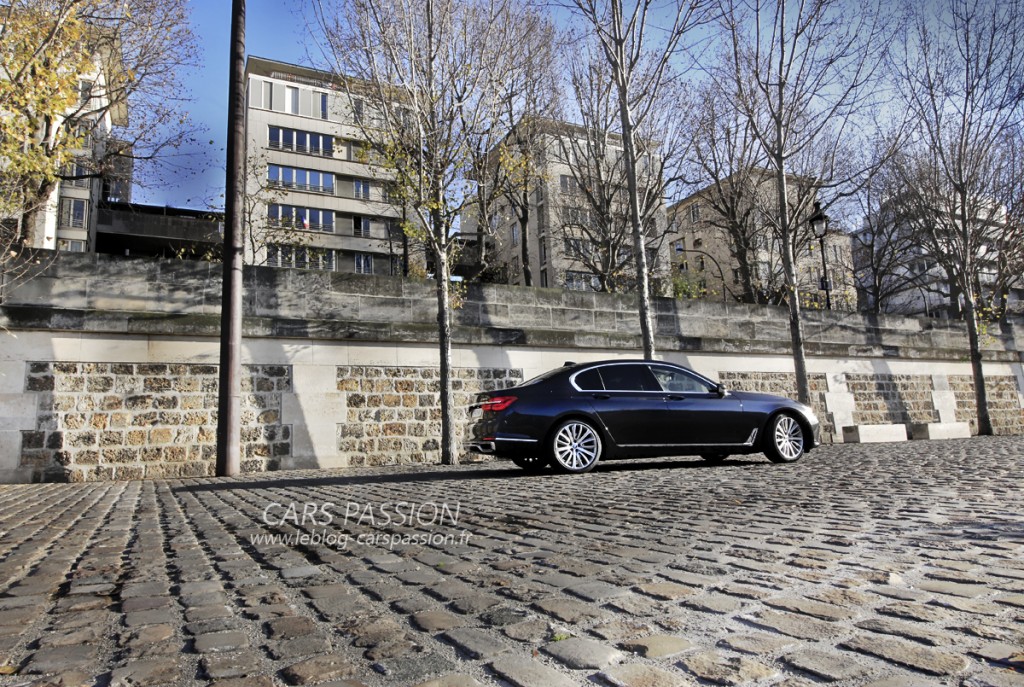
721, 390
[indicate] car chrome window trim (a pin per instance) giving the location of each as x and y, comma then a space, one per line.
528, 441
649, 364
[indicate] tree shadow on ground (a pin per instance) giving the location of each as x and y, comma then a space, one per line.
439, 473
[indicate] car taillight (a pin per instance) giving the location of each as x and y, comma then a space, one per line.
498, 403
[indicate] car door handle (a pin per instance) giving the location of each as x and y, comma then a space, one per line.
602, 397
675, 398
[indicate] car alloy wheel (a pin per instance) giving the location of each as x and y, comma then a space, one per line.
786, 440
575, 446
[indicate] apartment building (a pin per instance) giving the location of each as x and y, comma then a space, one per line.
67, 220
710, 262
579, 236
315, 200
898, 270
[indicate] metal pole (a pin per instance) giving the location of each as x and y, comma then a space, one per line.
826, 286
230, 390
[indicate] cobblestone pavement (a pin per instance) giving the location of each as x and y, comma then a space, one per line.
881, 565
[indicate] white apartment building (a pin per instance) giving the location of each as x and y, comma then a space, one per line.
68, 219
575, 243
314, 199
912, 280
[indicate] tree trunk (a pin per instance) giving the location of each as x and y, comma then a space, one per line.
796, 329
980, 393
524, 233
442, 275
639, 248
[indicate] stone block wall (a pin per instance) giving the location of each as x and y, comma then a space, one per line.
883, 399
784, 384
100, 421
1003, 402
394, 413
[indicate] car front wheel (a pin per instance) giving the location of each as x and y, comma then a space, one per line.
575, 446
785, 439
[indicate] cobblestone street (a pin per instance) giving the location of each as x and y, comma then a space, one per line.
884, 565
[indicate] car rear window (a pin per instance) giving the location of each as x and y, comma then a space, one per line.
590, 380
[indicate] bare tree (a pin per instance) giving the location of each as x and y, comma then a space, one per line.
516, 166
435, 76
801, 74
639, 65
595, 226
893, 265
960, 76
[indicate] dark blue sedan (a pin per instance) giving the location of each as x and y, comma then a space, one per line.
578, 414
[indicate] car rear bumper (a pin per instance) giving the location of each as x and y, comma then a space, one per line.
484, 447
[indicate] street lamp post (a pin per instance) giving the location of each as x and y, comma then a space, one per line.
819, 225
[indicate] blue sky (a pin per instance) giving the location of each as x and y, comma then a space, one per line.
274, 29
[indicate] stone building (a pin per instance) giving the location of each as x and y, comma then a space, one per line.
739, 258
578, 235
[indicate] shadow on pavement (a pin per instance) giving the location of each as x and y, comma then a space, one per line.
449, 473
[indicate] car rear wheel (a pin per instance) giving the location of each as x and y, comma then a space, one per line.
714, 458
785, 439
575, 446
531, 463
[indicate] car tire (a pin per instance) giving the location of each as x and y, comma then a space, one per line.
575, 447
785, 439
714, 458
531, 463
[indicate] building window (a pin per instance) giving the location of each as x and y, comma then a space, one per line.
735, 276
544, 279
568, 184
514, 231
364, 263
698, 243
684, 266
291, 99
680, 246
361, 227
701, 263
301, 257
357, 110
76, 171
84, 92
361, 189
580, 281
294, 217
301, 141
73, 213
300, 179
543, 253
71, 245
577, 249
695, 213
323, 106
515, 270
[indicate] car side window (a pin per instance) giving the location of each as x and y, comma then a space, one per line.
678, 381
590, 380
629, 378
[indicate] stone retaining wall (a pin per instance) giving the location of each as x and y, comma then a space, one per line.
394, 413
111, 372
126, 421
